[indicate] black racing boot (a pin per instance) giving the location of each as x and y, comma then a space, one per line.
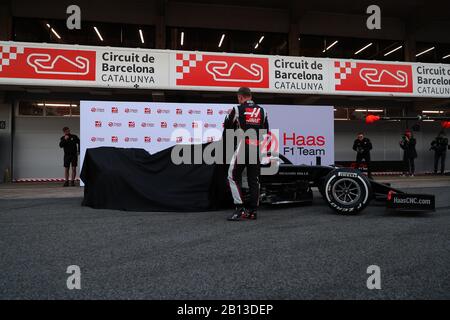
72, 183
238, 214
66, 184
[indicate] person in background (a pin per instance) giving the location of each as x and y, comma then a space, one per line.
408, 144
71, 145
362, 146
439, 145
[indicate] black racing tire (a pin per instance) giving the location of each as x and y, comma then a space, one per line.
347, 191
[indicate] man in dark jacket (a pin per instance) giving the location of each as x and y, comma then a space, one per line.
408, 144
251, 119
440, 146
71, 145
362, 146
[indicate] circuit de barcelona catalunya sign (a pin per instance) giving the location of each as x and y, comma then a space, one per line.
106, 67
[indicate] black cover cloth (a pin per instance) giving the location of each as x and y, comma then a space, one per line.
134, 180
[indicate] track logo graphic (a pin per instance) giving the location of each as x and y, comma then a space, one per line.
222, 71
210, 70
46, 63
373, 77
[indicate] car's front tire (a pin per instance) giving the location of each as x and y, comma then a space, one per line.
347, 191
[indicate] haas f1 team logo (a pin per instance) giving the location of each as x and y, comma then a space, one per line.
253, 116
46, 63
373, 77
221, 71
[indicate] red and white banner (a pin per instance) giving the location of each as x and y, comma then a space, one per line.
373, 77
84, 66
46, 63
211, 70
81, 66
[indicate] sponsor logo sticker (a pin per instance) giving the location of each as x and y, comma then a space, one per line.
131, 110
147, 125
348, 174
97, 109
163, 111
114, 124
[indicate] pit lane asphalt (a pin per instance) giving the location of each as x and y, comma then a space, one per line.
289, 253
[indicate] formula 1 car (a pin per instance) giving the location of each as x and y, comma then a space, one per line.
133, 180
347, 191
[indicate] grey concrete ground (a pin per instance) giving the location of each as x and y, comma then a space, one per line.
289, 253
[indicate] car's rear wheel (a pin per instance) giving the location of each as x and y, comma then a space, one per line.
347, 191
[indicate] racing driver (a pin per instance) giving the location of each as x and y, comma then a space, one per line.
251, 119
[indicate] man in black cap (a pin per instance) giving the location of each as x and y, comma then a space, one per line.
71, 145
440, 146
362, 146
251, 119
408, 144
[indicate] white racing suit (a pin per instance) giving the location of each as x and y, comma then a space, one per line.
248, 116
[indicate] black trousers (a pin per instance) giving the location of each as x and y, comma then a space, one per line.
235, 176
366, 157
441, 156
409, 165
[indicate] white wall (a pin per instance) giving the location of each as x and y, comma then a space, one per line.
36, 146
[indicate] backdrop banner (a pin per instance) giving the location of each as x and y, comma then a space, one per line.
38, 64
304, 132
